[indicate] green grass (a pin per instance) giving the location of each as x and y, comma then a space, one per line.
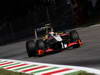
7, 72
80, 73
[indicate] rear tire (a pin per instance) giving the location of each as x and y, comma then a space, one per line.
31, 47
35, 48
41, 48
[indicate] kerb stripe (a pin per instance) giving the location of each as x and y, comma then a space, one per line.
6, 63
67, 72
43, 70
25, 67
33, 68
58, 71
15, 66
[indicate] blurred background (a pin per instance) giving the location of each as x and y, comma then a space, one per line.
18, 18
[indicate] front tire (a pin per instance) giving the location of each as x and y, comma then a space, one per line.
74, 36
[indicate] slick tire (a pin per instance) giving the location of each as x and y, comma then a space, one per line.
74, 36
31, 47
40, 48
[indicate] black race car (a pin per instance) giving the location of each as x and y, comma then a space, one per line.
46, 41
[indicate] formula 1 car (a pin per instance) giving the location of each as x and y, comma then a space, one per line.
46, 41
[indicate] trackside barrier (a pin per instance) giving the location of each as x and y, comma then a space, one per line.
41, 68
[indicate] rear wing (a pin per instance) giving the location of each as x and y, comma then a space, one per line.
43, 30
46, 27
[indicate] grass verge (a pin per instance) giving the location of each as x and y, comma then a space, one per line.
7, 72
80, 73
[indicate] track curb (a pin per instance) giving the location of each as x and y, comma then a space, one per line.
42, 68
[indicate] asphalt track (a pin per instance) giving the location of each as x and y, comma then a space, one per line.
88, 55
